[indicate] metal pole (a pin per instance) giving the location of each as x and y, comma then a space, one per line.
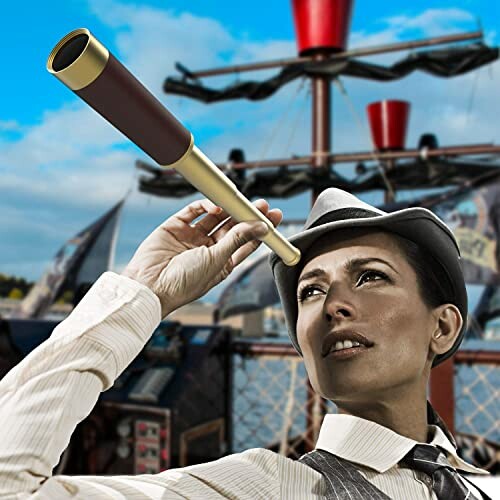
449, 151
321, 146
321, 124
442, 392
365, 51
389, 196
460, 150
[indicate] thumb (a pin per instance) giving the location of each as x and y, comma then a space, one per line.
236, 237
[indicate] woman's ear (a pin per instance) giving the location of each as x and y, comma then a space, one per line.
447, 327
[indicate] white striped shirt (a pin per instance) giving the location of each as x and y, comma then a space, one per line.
56, 386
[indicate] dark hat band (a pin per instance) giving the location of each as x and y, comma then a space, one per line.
344, 214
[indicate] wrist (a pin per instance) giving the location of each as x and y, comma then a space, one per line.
166, 308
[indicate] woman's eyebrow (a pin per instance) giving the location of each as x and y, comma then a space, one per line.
313, 273
350, 266
354, 264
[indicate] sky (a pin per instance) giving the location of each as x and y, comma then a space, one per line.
62, 165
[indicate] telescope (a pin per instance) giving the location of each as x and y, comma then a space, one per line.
84, 65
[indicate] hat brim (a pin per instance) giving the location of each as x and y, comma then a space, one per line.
418, 225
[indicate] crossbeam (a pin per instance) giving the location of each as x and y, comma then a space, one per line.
362, 51
449, 151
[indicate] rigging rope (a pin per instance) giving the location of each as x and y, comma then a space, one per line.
295, 125
363, 132
132, 184
272, 136
471, 98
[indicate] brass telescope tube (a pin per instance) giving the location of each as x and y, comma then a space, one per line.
84, 65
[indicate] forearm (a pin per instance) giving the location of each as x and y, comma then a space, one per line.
44, 397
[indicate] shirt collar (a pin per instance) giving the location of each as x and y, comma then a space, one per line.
370, 444
444, 443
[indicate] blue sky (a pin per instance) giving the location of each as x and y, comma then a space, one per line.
61, 166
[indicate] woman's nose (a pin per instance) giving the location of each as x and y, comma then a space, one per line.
338, 305
339, 313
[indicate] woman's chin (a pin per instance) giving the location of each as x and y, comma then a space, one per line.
347, 387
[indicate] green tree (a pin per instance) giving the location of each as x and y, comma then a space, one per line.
66, 297
16, 293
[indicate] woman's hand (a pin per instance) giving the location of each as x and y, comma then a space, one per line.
180, 261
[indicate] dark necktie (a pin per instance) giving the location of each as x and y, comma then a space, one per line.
446, 482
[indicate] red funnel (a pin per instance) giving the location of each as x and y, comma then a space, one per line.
388, 123
321, 24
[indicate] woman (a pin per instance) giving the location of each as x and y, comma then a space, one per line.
364, 309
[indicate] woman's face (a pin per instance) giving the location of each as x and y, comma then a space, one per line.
357, 286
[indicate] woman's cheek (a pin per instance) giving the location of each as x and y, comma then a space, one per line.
308, 321
402, 333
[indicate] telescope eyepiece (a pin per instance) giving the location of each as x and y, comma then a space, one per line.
70, 52
78, 59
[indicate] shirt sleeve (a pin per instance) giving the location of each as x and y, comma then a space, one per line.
56, 386
44, 397
250, 475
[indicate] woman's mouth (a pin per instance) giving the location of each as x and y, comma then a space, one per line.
342, 344
345, 349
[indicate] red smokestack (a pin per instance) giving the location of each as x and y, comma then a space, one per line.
388, 123
321, 25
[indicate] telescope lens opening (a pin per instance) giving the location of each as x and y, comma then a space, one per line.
70, 52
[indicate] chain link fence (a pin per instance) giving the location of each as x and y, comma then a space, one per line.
273, 405
477, 402
477, 408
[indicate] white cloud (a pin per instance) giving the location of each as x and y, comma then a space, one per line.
10, 126
432, 22
63, 135
151, 40
429, 23
72, 157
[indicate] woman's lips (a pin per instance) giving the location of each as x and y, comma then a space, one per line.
346, 353
344, 340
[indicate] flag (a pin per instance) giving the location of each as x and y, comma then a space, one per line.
77, 264
472, 212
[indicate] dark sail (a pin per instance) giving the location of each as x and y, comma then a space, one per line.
286, 182
439, 62
80, 261
251, 290
252, 287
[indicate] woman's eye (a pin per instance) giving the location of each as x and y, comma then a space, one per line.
370, 276
305, 292
364, 277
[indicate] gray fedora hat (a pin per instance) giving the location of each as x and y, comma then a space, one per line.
338, 209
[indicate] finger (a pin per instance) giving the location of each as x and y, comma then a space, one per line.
275, 216
219, 232
247, 249
240, 234
211, 221
192, 211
